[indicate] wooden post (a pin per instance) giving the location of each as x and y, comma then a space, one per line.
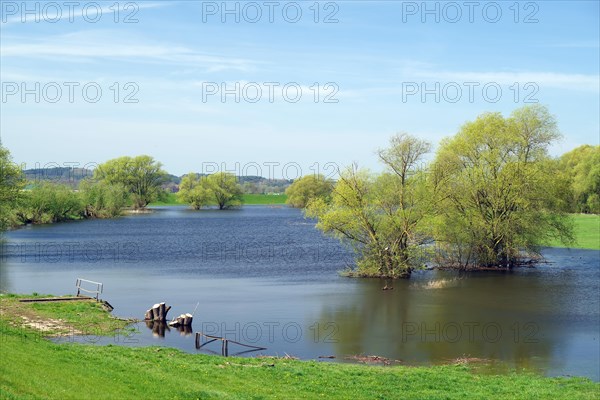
156, 312
161, 311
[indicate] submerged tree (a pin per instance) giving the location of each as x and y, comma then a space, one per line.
500, 190
141, 175
381, 217
225, 189
307, 188
194, 190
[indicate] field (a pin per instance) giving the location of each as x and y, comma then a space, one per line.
252, 199
587, 232
249, 199
33, 367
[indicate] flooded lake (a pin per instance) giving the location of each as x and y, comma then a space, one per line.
265, 276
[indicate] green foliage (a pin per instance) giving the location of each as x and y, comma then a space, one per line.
195, 190
11, 184
169, 199
47, 203
382, 217
225, 189
101, 199
221, 189
500, 190
581, 167
142, 176
308, 188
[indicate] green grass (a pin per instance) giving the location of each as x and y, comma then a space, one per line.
249, 199
587, 232
253, 199
169, 200
35, 368
67, 317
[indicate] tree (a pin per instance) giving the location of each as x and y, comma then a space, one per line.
101, 199
500, 190
11, 184
581, 167
225, 189
49, 202
381, 217
194, 190
142, 176
307, 188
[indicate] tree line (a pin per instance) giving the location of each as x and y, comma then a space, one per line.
490, 197
124, 182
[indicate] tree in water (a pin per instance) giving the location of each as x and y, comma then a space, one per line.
194, 190
307, 188
142, 176
381, 217
500, 191
225, 189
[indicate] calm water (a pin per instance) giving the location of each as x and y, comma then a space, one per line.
266, 276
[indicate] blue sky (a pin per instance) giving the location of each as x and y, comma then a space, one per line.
376, 56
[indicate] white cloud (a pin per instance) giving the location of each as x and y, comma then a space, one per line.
93, 45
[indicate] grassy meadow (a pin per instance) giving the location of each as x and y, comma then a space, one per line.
587, 232
249, 199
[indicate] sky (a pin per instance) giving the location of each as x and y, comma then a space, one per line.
283, 88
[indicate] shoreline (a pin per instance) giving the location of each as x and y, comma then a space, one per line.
86, 370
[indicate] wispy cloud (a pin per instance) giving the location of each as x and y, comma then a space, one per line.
543, 79
89, 46
72, 12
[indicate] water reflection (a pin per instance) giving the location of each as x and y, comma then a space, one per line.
525, 319
160, 328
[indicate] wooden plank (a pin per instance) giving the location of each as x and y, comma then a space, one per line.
44, 299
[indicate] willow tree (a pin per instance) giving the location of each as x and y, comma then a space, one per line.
11, 183
225, 190
501, 191
194, 190
101, 199
581, 167
142, 176
382, 217
307, 188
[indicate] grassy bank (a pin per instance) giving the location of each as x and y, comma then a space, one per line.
249, 199
587, 232
31, 367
